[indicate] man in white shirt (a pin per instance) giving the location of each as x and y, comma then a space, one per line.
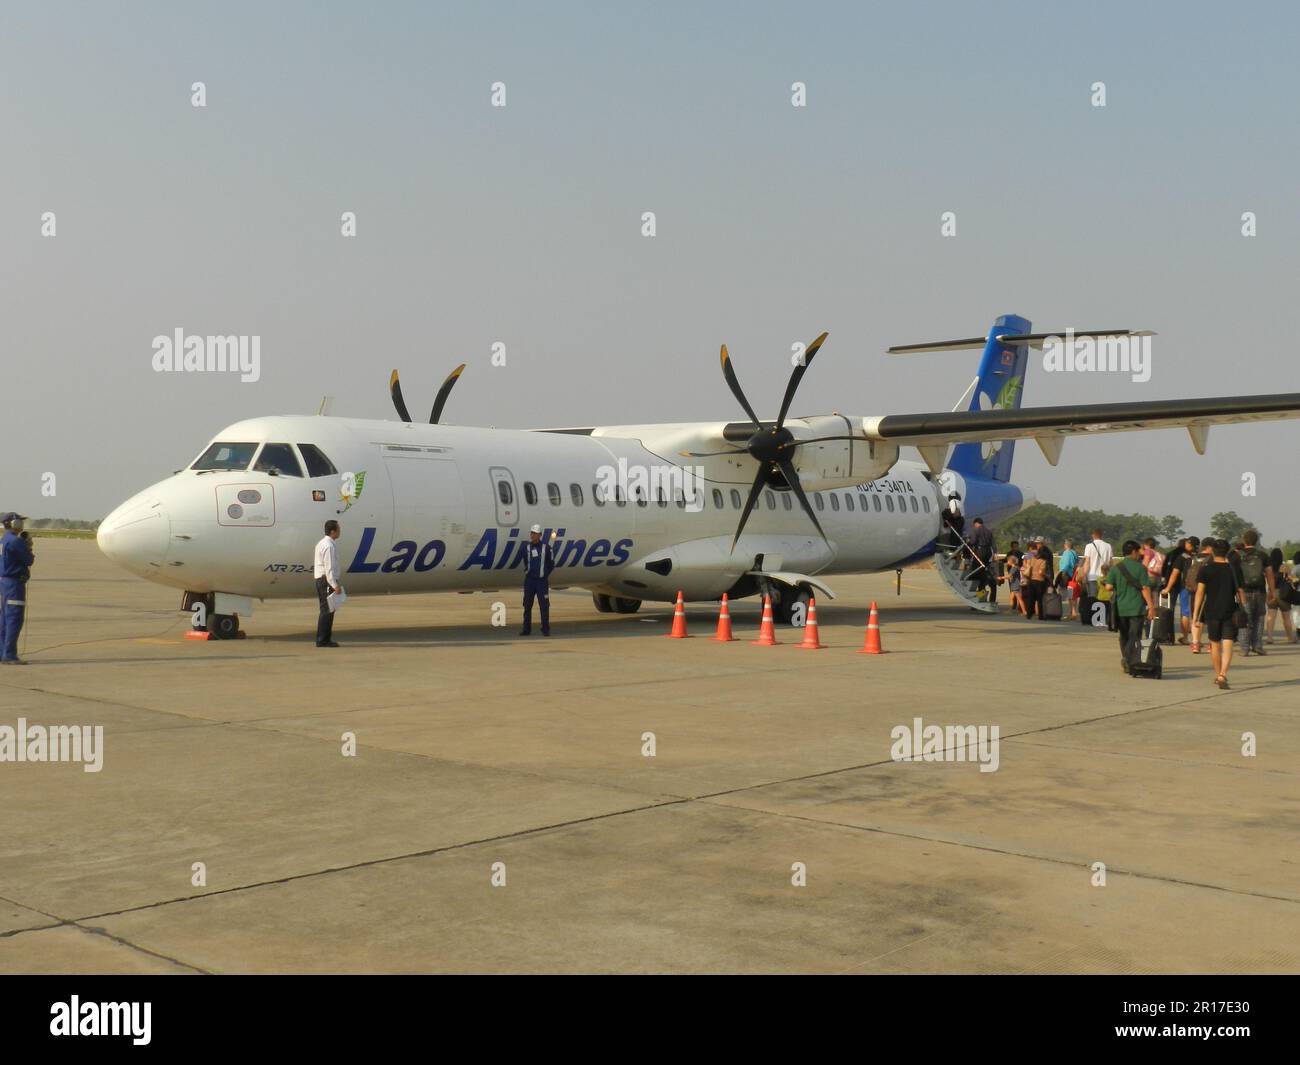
325, 568
1096, 556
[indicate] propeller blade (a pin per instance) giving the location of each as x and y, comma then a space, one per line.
710, 454
734, 384
754, 492
792, 479
797, 376
444, 392
395, 390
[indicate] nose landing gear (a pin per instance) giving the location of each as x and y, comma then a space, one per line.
205, 622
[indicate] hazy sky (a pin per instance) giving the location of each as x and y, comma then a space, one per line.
523, 225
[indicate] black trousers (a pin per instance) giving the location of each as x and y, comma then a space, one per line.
325, 622
537, 588
1032, 593
1130, 631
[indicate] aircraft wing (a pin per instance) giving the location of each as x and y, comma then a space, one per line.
1051, 425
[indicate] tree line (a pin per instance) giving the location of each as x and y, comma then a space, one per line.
1056, 524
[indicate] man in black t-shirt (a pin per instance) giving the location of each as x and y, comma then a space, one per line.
1177, 581
1218, 594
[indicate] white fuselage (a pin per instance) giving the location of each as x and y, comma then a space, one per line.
446, 508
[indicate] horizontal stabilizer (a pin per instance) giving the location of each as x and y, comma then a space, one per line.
1032, 339
1037, 339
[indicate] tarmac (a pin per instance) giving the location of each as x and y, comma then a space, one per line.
501, 813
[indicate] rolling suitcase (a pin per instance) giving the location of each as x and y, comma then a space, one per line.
1051, 605
1145, 657
1165, 620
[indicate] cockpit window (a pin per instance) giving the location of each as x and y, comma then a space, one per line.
278, 457
225, 456
317, 464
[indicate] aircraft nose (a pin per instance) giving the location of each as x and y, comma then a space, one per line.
136, 534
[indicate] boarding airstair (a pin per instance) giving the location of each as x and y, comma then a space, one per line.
955, 566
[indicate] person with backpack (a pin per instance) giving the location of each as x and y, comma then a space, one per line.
1130, 585
1259, 583
1218, 598
1179, 577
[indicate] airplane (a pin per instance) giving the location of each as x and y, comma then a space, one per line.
636, 513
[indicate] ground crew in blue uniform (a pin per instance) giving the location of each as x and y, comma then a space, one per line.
16, 560
540, 560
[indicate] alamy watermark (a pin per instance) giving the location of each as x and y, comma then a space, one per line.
658, 484
179, 353
946, 743
1130, 354
55, 743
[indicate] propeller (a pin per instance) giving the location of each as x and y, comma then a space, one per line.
440, 401
773, 446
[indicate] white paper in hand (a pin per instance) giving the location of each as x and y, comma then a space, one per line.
336, 599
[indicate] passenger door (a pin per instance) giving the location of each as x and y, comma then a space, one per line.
505, 496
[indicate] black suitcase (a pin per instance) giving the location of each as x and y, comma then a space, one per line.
1085, 608
1145, 656
1165, 621
1051, 605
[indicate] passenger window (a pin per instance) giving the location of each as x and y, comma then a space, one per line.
735, 500
553, 494
817, 498
575, 493
925, 504
619, 500
225, 457
640, 498
915, 508
280, 458
862, 501
597, 496
317, 464
717, 498
505, 493
681, 500
835, 501
663, 502
889, 504
848, 500
787, 501
530, 493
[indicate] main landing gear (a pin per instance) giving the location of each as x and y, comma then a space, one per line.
613, 604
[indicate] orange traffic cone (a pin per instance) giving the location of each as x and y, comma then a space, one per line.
724, 623
767, 630
871, 646
679, 620
810, 641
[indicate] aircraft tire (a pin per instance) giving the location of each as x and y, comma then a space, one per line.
603, 605
784, 610
624, 606
223, 627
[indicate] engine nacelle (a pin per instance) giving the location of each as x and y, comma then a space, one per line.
838, 463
